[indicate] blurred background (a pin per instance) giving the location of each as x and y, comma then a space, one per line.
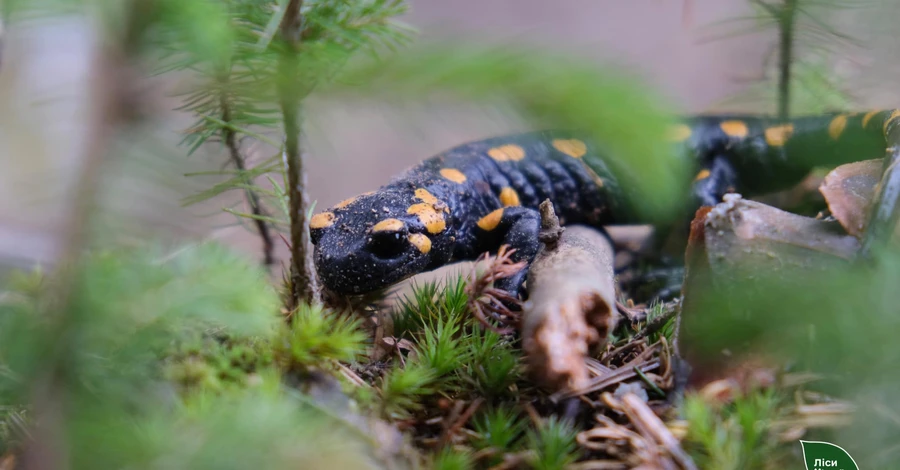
688, 49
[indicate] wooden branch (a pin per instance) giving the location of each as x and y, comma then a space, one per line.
571, 305
303, 282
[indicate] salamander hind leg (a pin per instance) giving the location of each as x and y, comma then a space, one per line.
519, 228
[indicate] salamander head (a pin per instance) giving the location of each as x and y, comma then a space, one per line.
377, 239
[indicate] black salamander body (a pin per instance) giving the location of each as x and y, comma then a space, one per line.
480, 195
455, 206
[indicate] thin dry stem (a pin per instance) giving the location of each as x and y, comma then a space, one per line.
230, 139
304, 286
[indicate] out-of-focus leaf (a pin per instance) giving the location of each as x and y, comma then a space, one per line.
625, 118
129, 305
252, 430
201, 25
841, 324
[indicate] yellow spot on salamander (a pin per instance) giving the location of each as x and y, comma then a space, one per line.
454, 175
868, 117
421, 242
345, 203
348, 201
505, 153
894, 115
571, 147
491, 221
837, 125
680, 133
432, 220
704, 173
509, 197
322, 220
423, 195
736, 129
779, 135
388, 225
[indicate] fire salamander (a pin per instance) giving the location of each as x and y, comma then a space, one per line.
480, 195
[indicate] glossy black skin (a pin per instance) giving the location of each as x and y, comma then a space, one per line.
349, 256
352, 259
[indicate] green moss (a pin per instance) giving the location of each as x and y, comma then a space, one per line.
554, 445
738, 435
316, 335
499, 428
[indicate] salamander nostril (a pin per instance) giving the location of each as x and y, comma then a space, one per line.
388, 244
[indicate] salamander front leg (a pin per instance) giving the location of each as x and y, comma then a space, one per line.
885, 210
713, 182
517, 227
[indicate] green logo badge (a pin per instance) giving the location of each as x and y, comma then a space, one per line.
826, 456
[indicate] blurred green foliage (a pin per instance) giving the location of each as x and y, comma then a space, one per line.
128, 307
132, 309
841, 324
235, 95
735, 436
620, 112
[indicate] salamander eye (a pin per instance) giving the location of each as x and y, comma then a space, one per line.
388, 238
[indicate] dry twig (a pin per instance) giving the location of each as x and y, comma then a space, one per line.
453, 426
644, 442
230, 138
572, 304
652, 428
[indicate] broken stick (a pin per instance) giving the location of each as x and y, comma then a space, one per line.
571, 306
